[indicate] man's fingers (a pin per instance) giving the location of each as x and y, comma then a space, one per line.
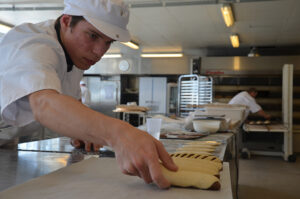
76, 143
165, 158
97, 147
144, 173
88, 146
130, 170
157, 176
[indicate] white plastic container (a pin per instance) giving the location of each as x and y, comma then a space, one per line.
203, 126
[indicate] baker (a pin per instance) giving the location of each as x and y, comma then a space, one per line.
248, 98
40, 70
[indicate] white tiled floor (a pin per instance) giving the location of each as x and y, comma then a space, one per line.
269, 178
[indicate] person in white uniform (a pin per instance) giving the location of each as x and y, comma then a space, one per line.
85, 94
40, 70
248, 98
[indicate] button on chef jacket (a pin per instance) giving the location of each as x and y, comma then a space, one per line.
244, 98
32, 59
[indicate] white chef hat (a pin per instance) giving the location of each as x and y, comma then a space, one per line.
109, 16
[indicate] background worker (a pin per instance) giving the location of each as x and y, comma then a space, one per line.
247, 98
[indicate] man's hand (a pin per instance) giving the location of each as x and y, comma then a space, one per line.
139, 154
88, 146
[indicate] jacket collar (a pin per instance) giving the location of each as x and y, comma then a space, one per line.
68, 58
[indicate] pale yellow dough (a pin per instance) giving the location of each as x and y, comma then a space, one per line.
199, 146
195, 149
196, 167
193, 152
184, 178
213, 143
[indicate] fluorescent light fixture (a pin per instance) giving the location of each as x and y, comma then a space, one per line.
112, 56
131, 45
235, 41
162, 55
4, 28
227, 15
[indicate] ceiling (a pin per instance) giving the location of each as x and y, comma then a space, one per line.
187, 25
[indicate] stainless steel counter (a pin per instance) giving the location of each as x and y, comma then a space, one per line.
38, 158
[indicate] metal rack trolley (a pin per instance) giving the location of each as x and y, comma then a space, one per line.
193, 90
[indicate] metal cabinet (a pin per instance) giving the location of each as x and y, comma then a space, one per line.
152, 94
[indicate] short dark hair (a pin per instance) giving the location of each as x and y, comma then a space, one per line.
74, 20
251, 90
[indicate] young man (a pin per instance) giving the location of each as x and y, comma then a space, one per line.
248, 98
42, 65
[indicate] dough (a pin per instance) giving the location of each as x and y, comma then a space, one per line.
193, 152
193, 149
183, 178
200, 146
267, 122
199, 160
197, 156
196, 167
259, 122
213, 143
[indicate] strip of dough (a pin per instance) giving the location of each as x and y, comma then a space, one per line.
204, 163
195, 149
191, 166
213, 143
193, 152
200, 146
197, 156
184, 178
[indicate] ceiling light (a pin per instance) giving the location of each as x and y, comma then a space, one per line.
162, 55
131, 45
235, 41
227, 15
112, 56
4, 28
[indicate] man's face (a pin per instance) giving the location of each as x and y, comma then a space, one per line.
253, 94
84, 43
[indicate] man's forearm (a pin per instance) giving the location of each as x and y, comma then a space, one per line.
69, 117
263, 114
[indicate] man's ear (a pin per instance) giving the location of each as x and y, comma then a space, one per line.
65, 22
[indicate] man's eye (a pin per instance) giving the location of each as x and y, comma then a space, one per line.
93, 36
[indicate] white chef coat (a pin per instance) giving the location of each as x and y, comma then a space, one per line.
85, 95
244, 98
32, 59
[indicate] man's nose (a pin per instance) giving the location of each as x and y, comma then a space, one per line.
99, 50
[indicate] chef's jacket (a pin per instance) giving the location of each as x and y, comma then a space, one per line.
32, 59
244, 98
85, 95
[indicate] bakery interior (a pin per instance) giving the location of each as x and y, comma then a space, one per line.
187, 60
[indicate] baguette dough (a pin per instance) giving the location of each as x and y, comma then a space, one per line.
184, 178
193, 149
211, 161
197, 156
193, 152
196, 167
213, 143
199, 146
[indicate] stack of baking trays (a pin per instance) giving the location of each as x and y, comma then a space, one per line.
197, 166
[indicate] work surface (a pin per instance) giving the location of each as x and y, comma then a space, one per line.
101, 178
39, 158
